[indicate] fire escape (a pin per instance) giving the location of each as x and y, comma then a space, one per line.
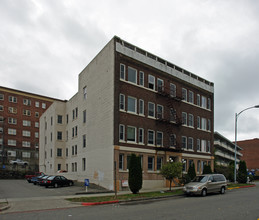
173, 120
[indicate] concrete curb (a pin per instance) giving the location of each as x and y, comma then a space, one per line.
5, 207
238, 187
98, 203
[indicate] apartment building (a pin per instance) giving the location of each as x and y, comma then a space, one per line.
129, 101
225, 150
19, 127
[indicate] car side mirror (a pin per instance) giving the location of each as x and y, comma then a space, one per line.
209, 181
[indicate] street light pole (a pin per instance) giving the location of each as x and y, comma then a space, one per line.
236, 117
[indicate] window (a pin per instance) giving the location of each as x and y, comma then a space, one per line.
184, 162
184, 142
190, 143
26, 123
132, 75
73, 132
12, 153
37, 114
59, 135
26, 101
83, 164
159, 138
59, 119
11, 142
36, 134
84, 141
73, 113
51, 152
26, 144
85, 92
132, 104
36, 124
160, 85
1, 108
67, 118
12, 121
26, 154
66, 152
84, 116
122, 102
198, 122
151, 82
59, 152
184, 94
159, 163
2, 130
151, 109
131, 134
12, 110
59, 166
172, 90
150, 163
209, 125
141, 136
160, 112
26, 133
37, 104
151, 137
141, 78
203, 102
76, 111
198, 100
141, 107
76, 131
203, 145
209, 103
191, 120
51, 136
172, 140
43, 105
184, 118
51, 120
121, 161
122, 132
191, 97
12, 99
122, 71
198, 145
203, 123
1, 96
172, 115
26, 112
11, 131
75, 149
208, 146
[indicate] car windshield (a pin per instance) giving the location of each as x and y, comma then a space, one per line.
200, 179
51, 177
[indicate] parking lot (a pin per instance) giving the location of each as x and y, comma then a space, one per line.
23, 189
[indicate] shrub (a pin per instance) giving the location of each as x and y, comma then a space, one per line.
242, 172
207, 169
135, 174
192, 172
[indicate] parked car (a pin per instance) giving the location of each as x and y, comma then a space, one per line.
57, 181
35, 179
207, 183
28, 177
41, 182
19, 162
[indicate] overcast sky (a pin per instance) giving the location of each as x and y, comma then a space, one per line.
45, 44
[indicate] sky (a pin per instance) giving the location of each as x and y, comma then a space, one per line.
45, 44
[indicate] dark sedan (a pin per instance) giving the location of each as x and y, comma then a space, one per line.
57, 181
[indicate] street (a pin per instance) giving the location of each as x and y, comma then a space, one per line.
235, 204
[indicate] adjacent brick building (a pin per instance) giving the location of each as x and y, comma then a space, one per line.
250, 153
19, 126
129, 101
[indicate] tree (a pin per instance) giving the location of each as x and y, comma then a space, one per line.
135, 174
207, 169
191, 171
242, 172
171, 170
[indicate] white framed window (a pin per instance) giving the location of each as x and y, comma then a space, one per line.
184, 94
26, 133
151, 109
203, 102
36, 134
12, 99
12, 110
184, 142
26, 123
209, 103
1, 108
190, 120
141, 135
208, 147
85, 93
122, 71
27, 102
160, 85
131, 134
198, 122
204, 124
132, 104
26, 154
26, 144
151, 137
59, 119
122, 132
36, 124
12, 121
184, 118
11, 153
43, 105
1, 96
2, 130
159, 138
11, 142
209, 125
132, 75
151, 82
37, 104
150, 163
172, 90
190, 143
203, 145
159, 163
121, 161
198, 100
160, 111
141, 78
26, 112
191, 97
198, 145
141, 107
11, 131
37, 114
122, 102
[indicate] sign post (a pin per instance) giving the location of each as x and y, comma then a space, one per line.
86, 184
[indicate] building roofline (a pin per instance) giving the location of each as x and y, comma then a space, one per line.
230, 142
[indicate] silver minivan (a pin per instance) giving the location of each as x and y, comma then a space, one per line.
206, 183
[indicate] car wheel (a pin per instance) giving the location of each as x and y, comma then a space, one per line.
70, 184
204, 192
55, 185
46, 186
222, 190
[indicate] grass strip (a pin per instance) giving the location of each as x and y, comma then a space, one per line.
232, 185
126, 196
